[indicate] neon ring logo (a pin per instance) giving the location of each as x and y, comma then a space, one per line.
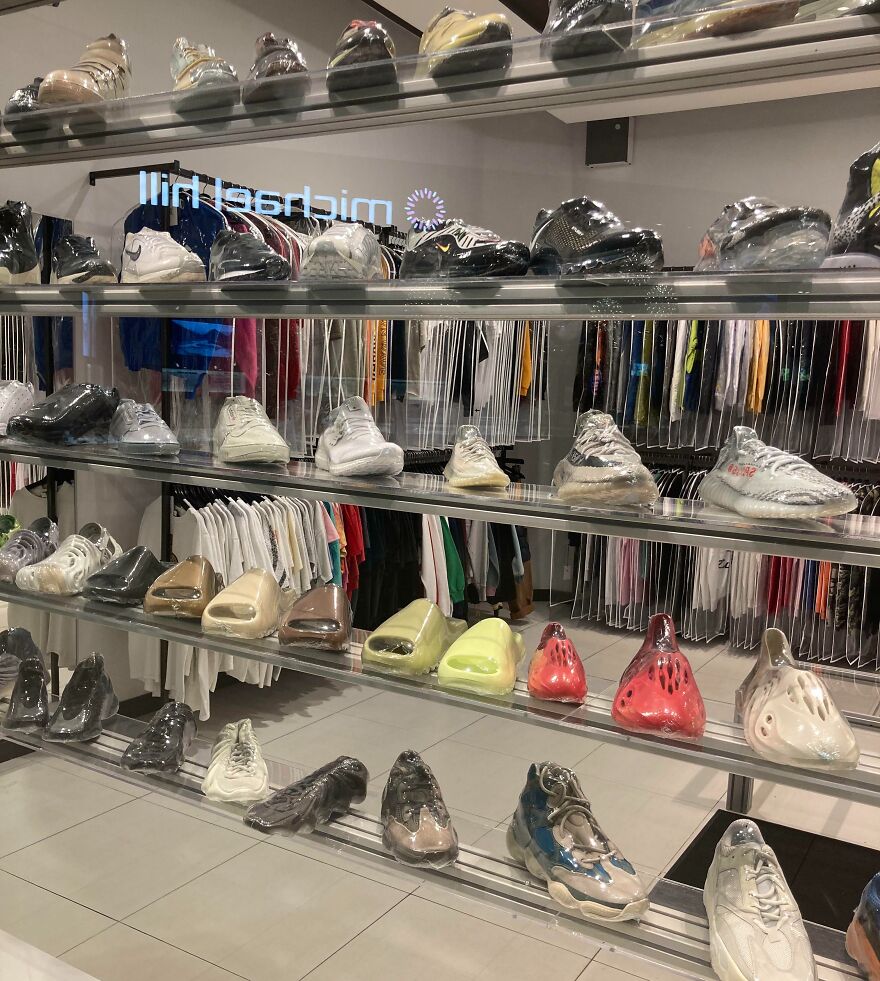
425, 209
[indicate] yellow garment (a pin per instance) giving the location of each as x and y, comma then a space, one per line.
380, 376
525, 377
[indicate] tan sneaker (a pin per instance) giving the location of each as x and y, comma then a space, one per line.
458, 42
103, 72
201, 77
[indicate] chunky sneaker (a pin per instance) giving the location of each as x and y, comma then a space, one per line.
241, 256
755, 928
201, 78
352, 446
555, 835
243, 434
126, 579
29, 701
154, 257
459, 41
364, 57
328, 792
602, 467
863, 934
64, 573
71, 413
18, 116
582, 236
27, 547
75, 259
760, 481
484, 659
103, 72
418, 828
237, 771
788, 715
556, 673
139, 429
343, 251
163, 745
658, 691
19, 264
276, 58
855, 237
473, 463
574, 27
15, 397
454, 249
756, 233
88, 700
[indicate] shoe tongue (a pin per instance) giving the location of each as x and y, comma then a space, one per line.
466, 433
743, 436
355, 404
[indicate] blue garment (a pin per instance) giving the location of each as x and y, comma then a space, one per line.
61, 327
636, 369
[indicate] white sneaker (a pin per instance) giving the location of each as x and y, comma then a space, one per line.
788, 715
352, 445
755, 928
602, 467
138, 428
473, 463
65, 571
346, 250
237, 771
15, 398
154, 257
244, 434
761, 481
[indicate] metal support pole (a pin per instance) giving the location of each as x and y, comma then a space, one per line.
739, 793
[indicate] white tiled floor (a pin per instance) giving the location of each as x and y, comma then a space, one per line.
128, 886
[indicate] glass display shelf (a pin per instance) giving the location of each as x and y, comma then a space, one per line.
816, 295
722, 747
673, 933
852, 538
778, 63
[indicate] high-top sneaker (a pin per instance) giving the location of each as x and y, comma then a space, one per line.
855, 237
75, 259
556, 673
237, 256
103, 72
18, 116
556, 836
352, 444
19, 264
276, 58
364, 57
658, 691
88, 700
201, 77
574, 27
458, 41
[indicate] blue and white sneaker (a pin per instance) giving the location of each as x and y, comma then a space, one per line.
555, 835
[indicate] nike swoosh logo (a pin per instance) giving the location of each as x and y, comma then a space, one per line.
134, 256
443, 248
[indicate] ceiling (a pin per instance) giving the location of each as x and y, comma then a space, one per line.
526, 17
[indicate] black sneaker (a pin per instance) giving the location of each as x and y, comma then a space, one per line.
583, 236
855, 237
755, 233
314, 800
455, 249
69, 413
574, 27
163, 745
75, 259
29, 701
18, 114
19, 263
126, 579
242, 256
87, 701
16, 644
364, 58
418, 828
276, 58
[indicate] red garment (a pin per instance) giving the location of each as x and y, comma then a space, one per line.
355, 552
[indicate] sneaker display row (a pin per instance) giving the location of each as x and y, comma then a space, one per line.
237, 771
353, 446
760, 481
64, 572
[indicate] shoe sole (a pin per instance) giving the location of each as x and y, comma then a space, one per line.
253, 454
561, 895
599, 494
29, 278
713, 490
49, 580
220, 94
855, 260
434, 860
860, 950
476, 56
139, 449
499, 481
58, 93
77, 278
109, 710
213, 791
164, 276
386, 465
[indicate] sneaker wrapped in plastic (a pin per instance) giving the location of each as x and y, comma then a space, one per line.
15, 397
413, 640
126, 579
241, 257
320, 618
658, 691
345, 250
574, 28
316, 799
88, 700
27, 547
755, 233
472, 463
19, 263
682, 20
275, 59
237, 771
556, 673
74, 412
65, 571
602, 467
102, 73
202, 79
244, 434
75, 259
484, 659
18, 115
29, 701
855, 236
16, 644
761, 481
184, 590
788, 715
863, 933
453, 249
352, 445
363, 58
556, 836
139, 429
456, 42
163, 745
249, 607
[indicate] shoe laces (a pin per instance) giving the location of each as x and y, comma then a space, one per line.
769, 895
604, 440
357, 424
145, 414
567, 798
773, 460
476, 450
242, 759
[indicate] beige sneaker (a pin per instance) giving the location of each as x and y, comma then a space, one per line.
200, 76
250, 607
103, 72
